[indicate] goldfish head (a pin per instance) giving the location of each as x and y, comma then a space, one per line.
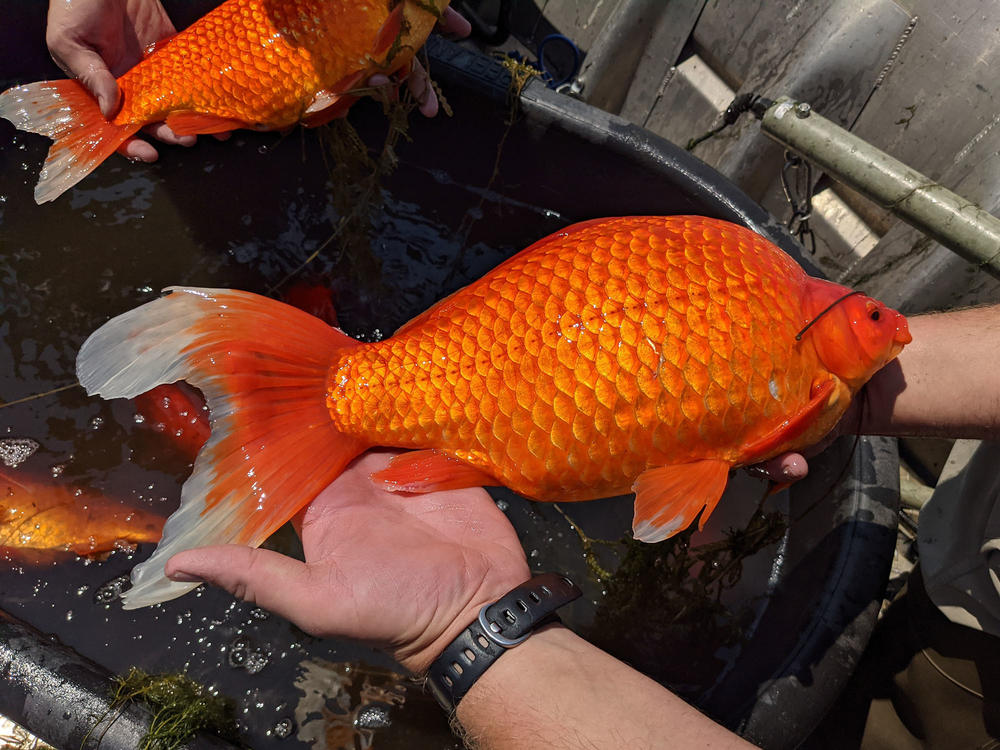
854, 335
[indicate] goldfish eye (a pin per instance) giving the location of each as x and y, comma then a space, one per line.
874, 315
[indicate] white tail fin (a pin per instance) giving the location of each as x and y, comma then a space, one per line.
65, 112
263, 367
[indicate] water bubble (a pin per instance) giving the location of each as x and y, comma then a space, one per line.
96, 422
373, 716
238, 657
57, 470
15, 451
69, 615
111, 590
503, 505
256, 660
283, 729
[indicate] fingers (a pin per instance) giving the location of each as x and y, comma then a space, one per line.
162, 132
89, 68
786, 468
420, 86
452, 23
268, 579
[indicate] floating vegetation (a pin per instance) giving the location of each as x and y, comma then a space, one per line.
180, 707
664, 610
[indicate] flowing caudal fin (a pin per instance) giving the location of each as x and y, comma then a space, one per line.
65, 112
668, 498
262, 366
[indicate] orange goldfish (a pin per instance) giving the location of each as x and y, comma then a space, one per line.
178, 413
40, 522
259, 64
645, 353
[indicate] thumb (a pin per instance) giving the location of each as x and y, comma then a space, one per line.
91, 70
276, 582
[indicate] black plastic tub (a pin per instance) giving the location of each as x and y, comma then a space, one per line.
247, 214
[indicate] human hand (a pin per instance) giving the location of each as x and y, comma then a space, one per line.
452, 24
97, 40
406, 573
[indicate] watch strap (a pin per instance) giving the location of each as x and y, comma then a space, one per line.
499, 627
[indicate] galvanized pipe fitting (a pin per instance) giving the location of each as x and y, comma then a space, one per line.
955, 222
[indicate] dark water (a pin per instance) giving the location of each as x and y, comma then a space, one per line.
247, 214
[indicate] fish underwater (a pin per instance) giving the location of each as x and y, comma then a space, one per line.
41, 522
258, 64
178, 413
651, 354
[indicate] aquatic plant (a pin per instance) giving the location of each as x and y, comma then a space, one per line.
180, 707
664, 611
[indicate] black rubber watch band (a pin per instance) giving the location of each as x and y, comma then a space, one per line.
500, 626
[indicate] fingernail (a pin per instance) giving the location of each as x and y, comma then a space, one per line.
181, 577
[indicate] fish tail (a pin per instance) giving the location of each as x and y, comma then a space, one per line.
65, 112
263, 367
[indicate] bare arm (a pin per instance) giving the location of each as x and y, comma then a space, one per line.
946, 383
558, 691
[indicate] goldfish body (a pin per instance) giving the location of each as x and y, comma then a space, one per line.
644, 353
40, 521
260, 64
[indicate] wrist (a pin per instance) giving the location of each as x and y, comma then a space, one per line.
499, 627
419, 653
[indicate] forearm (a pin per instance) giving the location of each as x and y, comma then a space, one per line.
558, 691
945, 383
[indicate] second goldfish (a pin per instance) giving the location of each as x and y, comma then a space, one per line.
259, 64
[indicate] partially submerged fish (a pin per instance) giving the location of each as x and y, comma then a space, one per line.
41, 521
178, 413
646, 353
259, 64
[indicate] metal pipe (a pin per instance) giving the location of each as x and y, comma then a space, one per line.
955, 222
65, 699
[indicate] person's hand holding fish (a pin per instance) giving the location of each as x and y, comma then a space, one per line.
405, 573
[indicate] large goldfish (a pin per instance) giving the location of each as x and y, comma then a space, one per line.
260, 64
646, 353
40, 521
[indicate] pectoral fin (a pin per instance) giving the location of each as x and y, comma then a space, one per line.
429, 471
333, 102
794, 426
669, 498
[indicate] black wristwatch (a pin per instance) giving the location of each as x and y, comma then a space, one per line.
500, 626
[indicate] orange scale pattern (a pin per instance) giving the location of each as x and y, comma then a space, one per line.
261, 62
601, 351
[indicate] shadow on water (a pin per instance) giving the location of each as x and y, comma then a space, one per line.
247, 213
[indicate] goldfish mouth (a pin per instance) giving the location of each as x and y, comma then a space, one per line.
903, 336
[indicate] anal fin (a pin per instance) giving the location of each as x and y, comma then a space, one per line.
668, 498
198, 123
430, 471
